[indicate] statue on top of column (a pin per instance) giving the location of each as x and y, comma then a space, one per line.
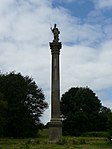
56, 33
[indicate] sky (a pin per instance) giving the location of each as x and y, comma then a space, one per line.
86, 35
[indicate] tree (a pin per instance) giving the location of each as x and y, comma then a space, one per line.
104, 118
110, 128
26, 104
80, 109
3, 108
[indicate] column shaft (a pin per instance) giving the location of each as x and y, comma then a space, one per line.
55, 125
55, 86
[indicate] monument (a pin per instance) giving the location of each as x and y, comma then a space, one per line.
55, 125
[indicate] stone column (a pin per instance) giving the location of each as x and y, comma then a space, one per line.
55, 125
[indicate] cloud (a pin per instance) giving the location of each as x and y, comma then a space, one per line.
101, 4
87, 66
24, 45
71, 1
106, 96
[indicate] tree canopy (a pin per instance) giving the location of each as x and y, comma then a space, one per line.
25, 105
3, 108
82, 111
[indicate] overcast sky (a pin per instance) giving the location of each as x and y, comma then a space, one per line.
86, 35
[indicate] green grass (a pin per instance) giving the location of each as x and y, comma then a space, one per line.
65, 143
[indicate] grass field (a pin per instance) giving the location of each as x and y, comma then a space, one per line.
65, 143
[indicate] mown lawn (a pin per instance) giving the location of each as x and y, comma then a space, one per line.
65, 143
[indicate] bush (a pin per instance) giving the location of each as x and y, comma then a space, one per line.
78, 141
95, 134
110, 136
25, 146
62, 141
110, 139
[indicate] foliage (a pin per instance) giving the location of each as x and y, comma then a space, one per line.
104, 118
110, 128
3, 108
62, 141
25, 146
26, 103
82, 111
96, 134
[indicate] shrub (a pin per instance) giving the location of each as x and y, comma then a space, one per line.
25, 146
110, 136
95, 134
62, 141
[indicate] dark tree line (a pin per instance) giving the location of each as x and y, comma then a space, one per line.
22, 104
82, 111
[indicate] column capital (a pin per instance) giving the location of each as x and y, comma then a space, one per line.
55, 47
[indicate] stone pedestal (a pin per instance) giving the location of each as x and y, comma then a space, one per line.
55, 131
55, 125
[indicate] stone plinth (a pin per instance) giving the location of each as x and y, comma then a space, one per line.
55, 131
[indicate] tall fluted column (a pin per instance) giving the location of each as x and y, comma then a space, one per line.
55, 125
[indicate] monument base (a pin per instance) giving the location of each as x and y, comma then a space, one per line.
55, 130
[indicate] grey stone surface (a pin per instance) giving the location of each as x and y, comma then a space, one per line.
55, 125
